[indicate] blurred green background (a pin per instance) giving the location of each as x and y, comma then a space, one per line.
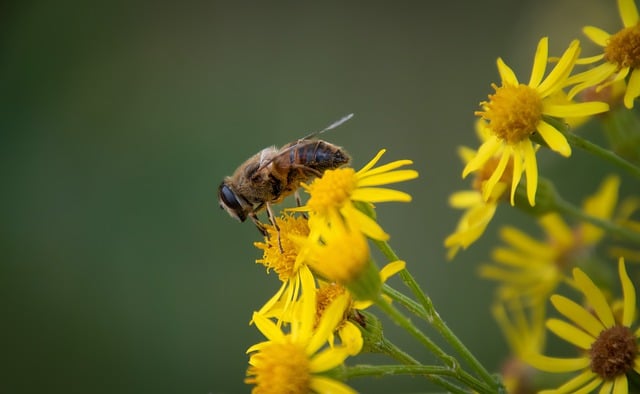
119, 271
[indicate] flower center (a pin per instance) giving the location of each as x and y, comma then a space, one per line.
484, 173
613, 352
325, 296
279, 368
623, 48
332, 191
282, 261
513, 112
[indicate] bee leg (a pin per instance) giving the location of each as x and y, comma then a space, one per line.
258, 224
272, 219
299, 204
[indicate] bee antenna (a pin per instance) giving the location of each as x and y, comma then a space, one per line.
331, 126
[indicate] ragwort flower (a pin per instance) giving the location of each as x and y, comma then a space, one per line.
280, 253
333, 197
478, 211
621, 55
516, 111
532, 269
610, 346
294, 362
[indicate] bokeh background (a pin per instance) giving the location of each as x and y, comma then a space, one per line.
119, 272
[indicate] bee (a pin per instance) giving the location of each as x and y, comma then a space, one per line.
272, 174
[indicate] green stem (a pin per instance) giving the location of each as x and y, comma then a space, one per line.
432, 317
389, 348
383, 370
449, 361
569, 209
602, 153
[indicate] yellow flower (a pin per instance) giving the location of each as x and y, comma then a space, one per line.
610, 347
294, 362
620, 54
516, 111
280, 253
348, 332
478, 210
341, 254
334, 195
523, 328
533, 269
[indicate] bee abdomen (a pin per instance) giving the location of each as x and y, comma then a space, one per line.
319, 155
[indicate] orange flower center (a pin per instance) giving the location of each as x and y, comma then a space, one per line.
325, 296
623, 48
513, 112
282, 261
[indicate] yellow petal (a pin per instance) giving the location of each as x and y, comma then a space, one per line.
506, 73
595, 297
561, 71
351, 338
523, 242
553, 364
391, 269
379, 194
575, 110
539, 62
577, 384
372, 162
570, 333
487, 188
384, 168
465, 199
621, 385
331, 316
268, 328
364, 223
531, 169
327, 359
597, 35
629, 295
387, 178
633, 89
590, 78
601, 205
628, 12
577, 314
556, 141
517, 175
321, 384
486, 150
557, 229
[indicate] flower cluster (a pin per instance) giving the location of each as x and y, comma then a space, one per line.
514, 123
320, 252
518, 119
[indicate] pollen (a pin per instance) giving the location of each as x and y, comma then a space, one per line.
623, 48
513, 112
333, 190
279, 368
613, 352
283, 261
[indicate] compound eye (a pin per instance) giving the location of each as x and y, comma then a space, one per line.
229, 201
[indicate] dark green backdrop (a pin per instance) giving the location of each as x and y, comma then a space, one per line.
119, 273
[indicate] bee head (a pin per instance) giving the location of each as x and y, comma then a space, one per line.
230, 201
